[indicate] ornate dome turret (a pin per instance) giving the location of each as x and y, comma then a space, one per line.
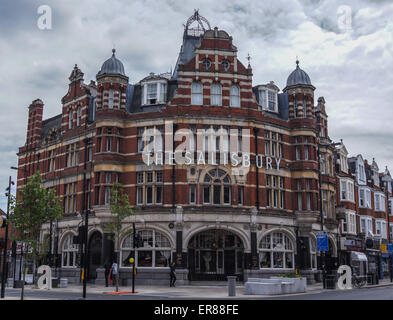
298, 76
112, 66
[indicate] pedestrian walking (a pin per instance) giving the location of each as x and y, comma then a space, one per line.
107, 267
173, 274
114, 272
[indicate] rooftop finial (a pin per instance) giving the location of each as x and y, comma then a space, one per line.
297, 62
113, 51
201, 24
249, 58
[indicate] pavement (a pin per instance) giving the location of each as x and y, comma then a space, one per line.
187, 292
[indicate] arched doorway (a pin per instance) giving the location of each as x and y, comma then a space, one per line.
214, 255
94, 255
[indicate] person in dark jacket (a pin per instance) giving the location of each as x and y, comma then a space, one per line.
173, 274
107, 266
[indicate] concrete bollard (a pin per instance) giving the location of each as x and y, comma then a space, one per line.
63, 282
10, 282
231, 286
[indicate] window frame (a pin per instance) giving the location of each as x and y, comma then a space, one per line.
153, 248
271, 249
235, 97
196, 93
216, 94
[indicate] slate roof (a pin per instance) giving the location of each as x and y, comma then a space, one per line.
187, 52
54, 122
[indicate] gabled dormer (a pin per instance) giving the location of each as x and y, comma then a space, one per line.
358, 168
342, 157
374, 173
267, 96
154, 89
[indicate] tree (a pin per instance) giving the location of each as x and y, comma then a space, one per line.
34, 206
120, 210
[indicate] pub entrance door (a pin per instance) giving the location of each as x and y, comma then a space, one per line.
214, 255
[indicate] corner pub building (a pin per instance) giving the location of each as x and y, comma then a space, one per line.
211, 222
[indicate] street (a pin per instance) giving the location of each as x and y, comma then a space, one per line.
382, 293
378, 293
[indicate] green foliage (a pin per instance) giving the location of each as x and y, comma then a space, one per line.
120, 210
34, 207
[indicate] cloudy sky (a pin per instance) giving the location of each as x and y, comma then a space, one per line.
346, 51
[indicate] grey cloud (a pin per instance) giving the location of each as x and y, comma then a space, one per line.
352, 71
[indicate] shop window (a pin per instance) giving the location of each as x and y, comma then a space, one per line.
276, 251
70, 253
155, 252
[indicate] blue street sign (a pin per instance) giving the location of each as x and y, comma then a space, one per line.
322, 243
390, 248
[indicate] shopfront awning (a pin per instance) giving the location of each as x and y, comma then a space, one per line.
359, 256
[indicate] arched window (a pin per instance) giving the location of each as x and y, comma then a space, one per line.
276, 251
79, 116
196, 93
235, 96
215, 94
313, 253
110, 100
155, 252
217, 187
70, 252
70, 116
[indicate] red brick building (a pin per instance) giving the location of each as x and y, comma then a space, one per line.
211, 219
362, 207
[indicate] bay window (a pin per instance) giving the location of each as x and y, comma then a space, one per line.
349, 223
347, 190
343, 190
379, 202
366, 226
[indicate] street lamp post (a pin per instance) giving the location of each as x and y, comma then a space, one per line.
50, 244
133, 265
387, 179
321, 213
5, 269
86, 142
25, 172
